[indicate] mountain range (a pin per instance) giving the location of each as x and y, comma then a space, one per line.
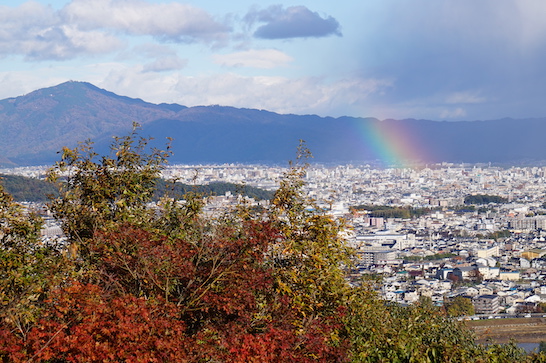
34, 127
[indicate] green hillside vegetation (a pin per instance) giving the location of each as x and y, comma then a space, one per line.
216, 189
484, 199
436, 256
386, 211
172, 284
24, 189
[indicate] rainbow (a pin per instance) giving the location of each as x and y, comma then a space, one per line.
392, 142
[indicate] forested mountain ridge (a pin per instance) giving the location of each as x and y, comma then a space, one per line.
34, 127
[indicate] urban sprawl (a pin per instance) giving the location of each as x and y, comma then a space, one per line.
493, 254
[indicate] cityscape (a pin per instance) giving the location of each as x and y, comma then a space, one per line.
491, 253
507, 272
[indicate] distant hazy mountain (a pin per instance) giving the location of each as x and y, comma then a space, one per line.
35, 126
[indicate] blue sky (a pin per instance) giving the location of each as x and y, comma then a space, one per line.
432, 59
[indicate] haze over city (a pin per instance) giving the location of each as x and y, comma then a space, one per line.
448, 60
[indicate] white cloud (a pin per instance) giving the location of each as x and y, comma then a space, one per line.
465, 97
163, 64
455, 113
169, 21
256, 58
278, 94
60, 43
87, 28
37, 32
29, 16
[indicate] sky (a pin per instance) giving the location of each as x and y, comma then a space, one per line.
425, 59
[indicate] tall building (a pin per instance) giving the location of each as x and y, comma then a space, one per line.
376, 255
486, 304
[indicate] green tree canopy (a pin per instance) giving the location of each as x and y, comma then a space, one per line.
484, 199
459, 306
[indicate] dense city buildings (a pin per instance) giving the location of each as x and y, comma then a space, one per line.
413, 228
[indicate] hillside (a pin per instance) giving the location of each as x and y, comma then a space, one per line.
37, 125
25, 189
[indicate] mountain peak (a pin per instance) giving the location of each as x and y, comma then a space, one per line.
79, 90
37, 125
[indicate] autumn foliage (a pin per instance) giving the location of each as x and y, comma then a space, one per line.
166, 282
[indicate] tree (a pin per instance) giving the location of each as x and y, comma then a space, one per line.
310, 258
97, 192
475, 275
28, 268
459, 306
484, 199
419, 333
208, 283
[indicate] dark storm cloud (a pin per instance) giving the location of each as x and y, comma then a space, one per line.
292, 22
478, 61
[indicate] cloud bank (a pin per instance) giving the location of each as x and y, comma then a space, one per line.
169, 21
274, 93
88, 28
37, 32
91, 28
